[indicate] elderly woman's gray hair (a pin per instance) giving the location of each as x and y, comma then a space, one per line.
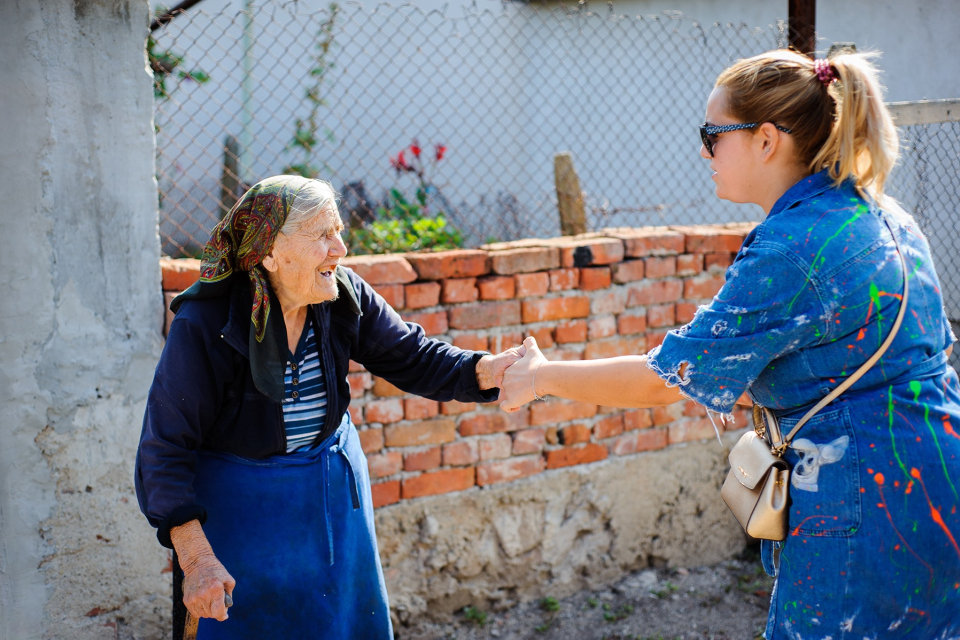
313, 198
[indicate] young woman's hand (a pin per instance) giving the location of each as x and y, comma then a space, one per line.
517, 389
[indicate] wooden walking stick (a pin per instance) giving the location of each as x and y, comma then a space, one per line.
191, 623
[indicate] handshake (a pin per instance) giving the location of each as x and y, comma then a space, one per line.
514, 371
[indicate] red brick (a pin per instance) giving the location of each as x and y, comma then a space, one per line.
555, 309
416, 408
495, 447
543, 336
668, 413
629, 323
433, 322
571, 331
386, 464
437, 482
613, 347
471, 342
636, 441
601, 327
660, 267
614, 301
661, 315
384, 389
693, 409
564, 279
518, 419
689, 264
385, 493
384, 411
691, 429
388, 269
685, 312
531, 284
371, 440
497, 287
482, 315
422, 294
504, 341
457, 263
168, 297
454, 407
422, 460
628, 271
637, 419
528, 441
524, 260
654, 292
585, 253
705, 285
608, 427
420, 433
574, 434
705, 239
459, 290
509, 470
656, 338
483, 424
595, 278
569, 456
359, 383
564, 354
461, 453
179, 274
551, 435
391, 293
356, 414
652, 242
555, 411
718, 260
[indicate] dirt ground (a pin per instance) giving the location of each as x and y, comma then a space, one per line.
727, 601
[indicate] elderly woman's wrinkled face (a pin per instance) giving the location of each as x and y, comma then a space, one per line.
302, 264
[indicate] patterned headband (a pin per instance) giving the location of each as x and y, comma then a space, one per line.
824, 71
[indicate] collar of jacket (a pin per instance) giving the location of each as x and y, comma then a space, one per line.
810, 186
267, 359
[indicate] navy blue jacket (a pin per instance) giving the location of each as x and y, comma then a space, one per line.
203, 395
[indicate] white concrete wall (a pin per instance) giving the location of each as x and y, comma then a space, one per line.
80, 321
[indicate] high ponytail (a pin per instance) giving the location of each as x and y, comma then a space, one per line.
843, 126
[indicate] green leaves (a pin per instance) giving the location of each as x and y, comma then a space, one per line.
404, 227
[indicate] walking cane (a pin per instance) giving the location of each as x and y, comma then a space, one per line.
190, 623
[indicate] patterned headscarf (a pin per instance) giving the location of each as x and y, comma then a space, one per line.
246, 235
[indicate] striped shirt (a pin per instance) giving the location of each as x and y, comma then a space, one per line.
305, 401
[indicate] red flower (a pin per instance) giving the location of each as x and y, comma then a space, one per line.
415, 149
400, 163
441, 149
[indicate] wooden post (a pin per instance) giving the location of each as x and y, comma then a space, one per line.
230, 180
802, 25
573, 216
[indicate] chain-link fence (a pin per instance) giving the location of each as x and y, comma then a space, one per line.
339, 93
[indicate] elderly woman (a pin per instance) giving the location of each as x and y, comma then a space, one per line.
249, 465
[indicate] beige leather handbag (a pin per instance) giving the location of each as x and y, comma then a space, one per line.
756, 487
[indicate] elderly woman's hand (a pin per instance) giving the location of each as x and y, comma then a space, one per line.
205, 580
490, 368
518, 380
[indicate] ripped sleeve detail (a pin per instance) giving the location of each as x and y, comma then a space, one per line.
672, 378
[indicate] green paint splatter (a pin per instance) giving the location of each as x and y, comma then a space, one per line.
915, 387
893, 440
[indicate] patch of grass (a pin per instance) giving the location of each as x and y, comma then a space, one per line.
592, 602
615, 615
550, 604
475, 615
668, 589
544, 627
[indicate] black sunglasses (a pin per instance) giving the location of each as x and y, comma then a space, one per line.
708, 133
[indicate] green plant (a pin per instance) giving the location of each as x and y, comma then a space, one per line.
403, 226
621, 612
544, 627
592, 602
164, 65
668, 588
307, 130
550, 604
475, 615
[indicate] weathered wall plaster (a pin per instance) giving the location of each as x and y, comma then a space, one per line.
80, 326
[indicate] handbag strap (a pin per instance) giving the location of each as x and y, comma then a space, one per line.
846, 384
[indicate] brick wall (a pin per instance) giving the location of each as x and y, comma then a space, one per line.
597, 295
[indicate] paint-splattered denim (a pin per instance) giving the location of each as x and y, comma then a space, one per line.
874, 529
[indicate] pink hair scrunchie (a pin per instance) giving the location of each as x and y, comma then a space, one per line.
824, 71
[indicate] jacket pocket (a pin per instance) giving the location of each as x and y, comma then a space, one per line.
824, 476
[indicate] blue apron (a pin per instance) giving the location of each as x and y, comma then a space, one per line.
296, 532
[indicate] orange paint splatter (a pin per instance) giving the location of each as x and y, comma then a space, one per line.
934, 512
878, 478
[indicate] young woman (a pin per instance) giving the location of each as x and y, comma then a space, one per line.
872, 549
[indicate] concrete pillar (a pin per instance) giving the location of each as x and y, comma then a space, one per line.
80, 320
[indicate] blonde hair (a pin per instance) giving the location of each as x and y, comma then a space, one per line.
313, 198
844, 127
